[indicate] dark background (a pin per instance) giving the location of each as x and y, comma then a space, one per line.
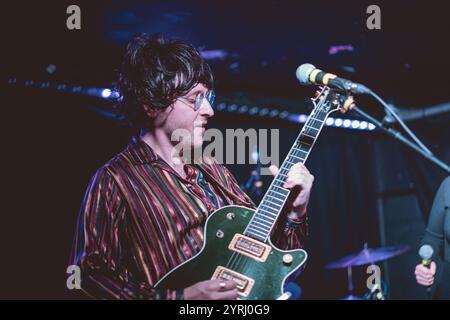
368, 188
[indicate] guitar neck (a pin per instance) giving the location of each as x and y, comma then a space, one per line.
274, 199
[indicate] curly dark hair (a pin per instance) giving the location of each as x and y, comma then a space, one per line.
154, 73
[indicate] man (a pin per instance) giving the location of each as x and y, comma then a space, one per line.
144, 211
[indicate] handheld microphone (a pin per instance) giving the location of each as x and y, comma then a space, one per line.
426, 252
308, 74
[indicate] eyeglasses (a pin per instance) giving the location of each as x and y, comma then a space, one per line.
209, 96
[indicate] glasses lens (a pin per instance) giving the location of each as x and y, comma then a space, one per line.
210, 96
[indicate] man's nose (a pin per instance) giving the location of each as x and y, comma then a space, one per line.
206, 109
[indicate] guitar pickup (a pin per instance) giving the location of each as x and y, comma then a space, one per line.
244, 284
250, 247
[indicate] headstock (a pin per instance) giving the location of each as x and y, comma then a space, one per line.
328, 101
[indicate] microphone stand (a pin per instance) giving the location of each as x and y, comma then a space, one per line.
397, 135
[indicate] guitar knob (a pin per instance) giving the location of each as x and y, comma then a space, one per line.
219, 234
287, 259
230, 216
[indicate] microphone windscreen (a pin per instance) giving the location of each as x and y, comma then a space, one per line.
426, 251
302, 73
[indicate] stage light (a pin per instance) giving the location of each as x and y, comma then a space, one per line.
338, 122
273, 113
243, 109
106, 93
302, 118
363, 125
355, 124
232, 108
347, 123
330, 121
371, 126
263, 112
221, 106
284, 114
253, 110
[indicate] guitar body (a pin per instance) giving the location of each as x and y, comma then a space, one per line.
259, 268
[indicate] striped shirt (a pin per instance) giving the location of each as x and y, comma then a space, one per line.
139, 219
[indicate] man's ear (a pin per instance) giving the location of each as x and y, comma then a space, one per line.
150, 112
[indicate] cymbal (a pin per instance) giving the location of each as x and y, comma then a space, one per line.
351, 297
368, 256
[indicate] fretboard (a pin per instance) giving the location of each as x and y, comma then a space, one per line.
273, 201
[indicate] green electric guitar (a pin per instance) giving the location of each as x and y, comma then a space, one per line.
237, 242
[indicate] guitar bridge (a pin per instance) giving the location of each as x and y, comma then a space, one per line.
244, 284
250, 247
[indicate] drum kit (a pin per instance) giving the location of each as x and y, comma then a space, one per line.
367, 256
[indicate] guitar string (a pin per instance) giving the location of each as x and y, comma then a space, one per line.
238, 263
235, 262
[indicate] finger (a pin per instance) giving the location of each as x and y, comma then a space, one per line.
300, 175
298, 165
421, 274
221, 285
425, 278
426, 283
226, 285
428, 271
433, 268
300, 200
294, 184
299, 179
423, 270
273, 170
226, 295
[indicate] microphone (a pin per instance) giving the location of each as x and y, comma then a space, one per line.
308, 74
426, 252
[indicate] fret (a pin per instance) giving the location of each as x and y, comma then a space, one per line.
275, 195
308, 135
264, 232
259, 229
316, 120
255, 236
281, 175
264, 228
312, 128
270, 190
285, 169
303, 148
299, 150
257, 232
275, 200
306, 143
267, 213
282, 190
269, 209
291, 155
257, 219
276, 204
286, 161
262, 218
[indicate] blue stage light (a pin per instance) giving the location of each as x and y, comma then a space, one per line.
106, 93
